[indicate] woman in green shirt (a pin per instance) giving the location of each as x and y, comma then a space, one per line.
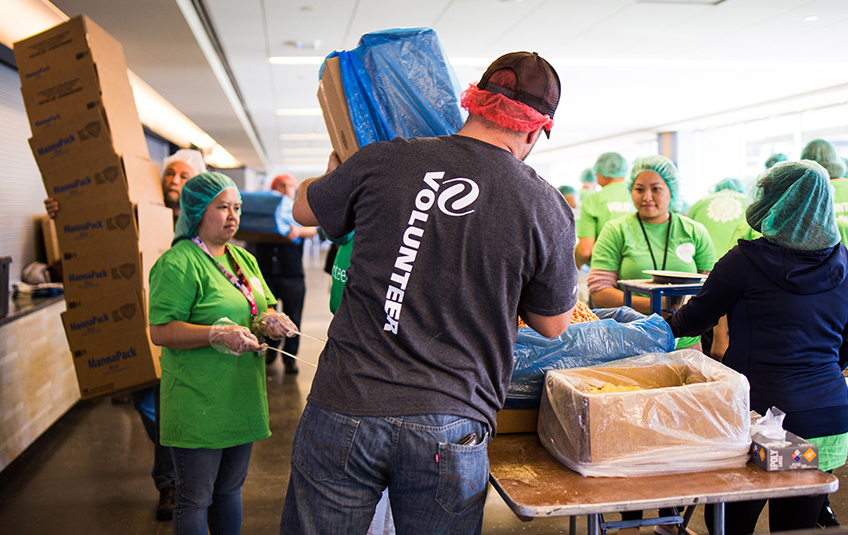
205, 294
655, 237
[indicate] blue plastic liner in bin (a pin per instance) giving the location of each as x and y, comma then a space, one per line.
398, 83
620, 333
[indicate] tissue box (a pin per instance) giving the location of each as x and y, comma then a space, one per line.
794, 453
690, 414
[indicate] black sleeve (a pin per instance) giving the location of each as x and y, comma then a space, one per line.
721, 290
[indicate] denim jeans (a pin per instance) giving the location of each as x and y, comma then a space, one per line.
341, 464
209, 489
146, 403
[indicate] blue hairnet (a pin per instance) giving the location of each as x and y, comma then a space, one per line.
793, 207
663, 167
611, 165
845, 160
588, 175
730, 183
822, 152
567, 190
775, 158
196, 195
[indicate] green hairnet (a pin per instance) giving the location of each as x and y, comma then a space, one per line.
567, 190
775, 158
793, 207
611, 165
663, 167
588, 175
730, 183
196, 195
822, 152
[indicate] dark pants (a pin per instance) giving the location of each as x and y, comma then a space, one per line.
146, 402
740, 518
291, 291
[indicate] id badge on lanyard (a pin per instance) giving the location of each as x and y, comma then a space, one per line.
238, 280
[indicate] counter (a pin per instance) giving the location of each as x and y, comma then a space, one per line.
37, 379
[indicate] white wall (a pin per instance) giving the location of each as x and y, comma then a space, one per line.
20, 181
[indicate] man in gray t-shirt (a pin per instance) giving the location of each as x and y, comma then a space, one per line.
455, 237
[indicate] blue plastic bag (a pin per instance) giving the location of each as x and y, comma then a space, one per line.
398, 83
620, 333
267, 211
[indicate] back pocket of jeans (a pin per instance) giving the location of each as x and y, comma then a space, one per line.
322, 443
463, 476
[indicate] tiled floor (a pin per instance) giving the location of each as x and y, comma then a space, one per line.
89, 474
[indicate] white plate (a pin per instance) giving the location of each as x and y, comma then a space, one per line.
675, 274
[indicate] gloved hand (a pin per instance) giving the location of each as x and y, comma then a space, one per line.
274, 325
227, 337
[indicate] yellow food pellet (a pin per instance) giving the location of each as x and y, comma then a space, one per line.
610, 388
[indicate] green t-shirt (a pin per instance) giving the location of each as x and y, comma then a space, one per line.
621, 247
208, 399
340, 267
611, 202
743, 231
840, 200
719, 213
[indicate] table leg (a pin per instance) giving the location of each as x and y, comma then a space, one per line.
572, 525
592, 525
656, 302
718, 519
628, 298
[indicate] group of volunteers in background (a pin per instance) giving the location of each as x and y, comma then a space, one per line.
773, 306
406, 390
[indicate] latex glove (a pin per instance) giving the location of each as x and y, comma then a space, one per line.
274, 325
227, 337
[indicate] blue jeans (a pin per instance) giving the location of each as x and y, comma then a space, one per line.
209, 489
341, 464
146, 402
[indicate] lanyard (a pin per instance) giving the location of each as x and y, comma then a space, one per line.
667, 234
240, 281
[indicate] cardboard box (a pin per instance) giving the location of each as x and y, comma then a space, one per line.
74, 139
669, 413
74, 67
76, 40
155, 227
517, 421
143, 181
99, 174
51, 239
111, 348
105, 223
794, 453
334, 106
111, 269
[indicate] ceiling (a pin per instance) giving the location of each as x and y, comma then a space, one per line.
626, 65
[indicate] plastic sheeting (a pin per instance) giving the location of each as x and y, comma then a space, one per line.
266, 211
398, 83
691, 414
621, 332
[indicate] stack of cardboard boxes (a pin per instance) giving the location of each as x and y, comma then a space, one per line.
112, 223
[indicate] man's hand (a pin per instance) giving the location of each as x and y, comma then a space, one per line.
333, 162
51, 206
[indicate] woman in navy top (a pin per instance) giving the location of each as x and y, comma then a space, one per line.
786, 298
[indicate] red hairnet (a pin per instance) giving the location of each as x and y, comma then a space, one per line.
503, 111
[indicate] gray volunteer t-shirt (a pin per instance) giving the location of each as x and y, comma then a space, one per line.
453, 235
